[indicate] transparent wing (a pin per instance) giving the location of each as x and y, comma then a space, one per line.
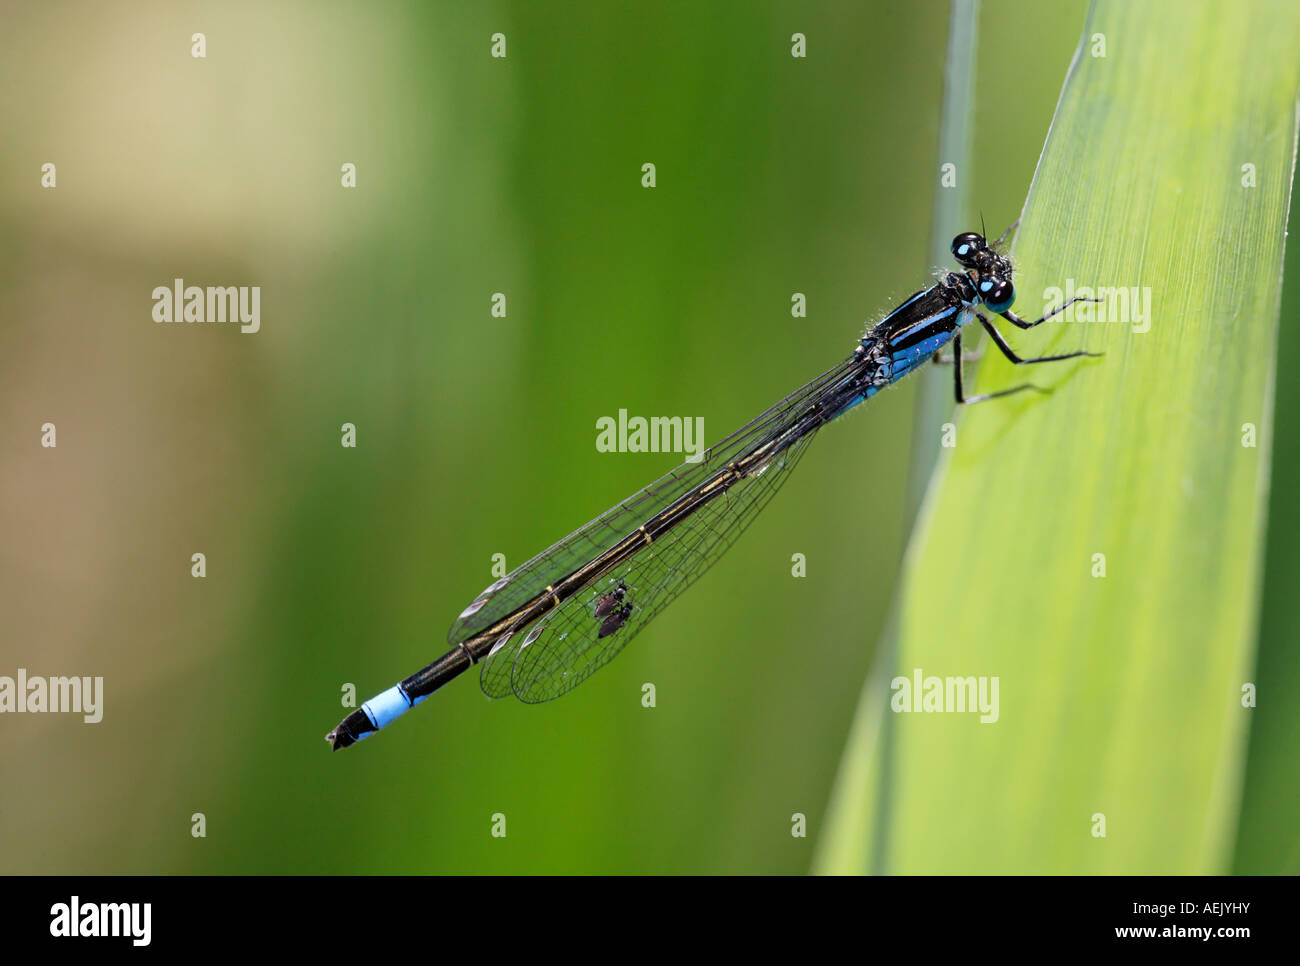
529, 579
494, 670
567, 646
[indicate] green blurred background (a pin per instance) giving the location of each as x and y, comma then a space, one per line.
476, 435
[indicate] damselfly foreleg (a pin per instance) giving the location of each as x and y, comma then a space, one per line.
1017, 320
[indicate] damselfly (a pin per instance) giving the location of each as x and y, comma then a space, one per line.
547, 626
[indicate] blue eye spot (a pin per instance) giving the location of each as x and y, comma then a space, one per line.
985, 286
963, 250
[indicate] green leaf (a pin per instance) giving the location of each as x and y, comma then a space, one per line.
1167, 172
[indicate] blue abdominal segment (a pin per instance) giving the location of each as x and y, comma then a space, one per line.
387, 706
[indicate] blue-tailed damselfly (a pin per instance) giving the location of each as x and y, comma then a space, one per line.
548, 625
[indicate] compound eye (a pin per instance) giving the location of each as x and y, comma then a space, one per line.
997, 293
966, 246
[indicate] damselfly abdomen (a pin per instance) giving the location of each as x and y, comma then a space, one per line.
547, 626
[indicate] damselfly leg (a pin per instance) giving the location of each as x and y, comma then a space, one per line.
1007, 351
1003, 237
1017, 321
1010, 353
959, 393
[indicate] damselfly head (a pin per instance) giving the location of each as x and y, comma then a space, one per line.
972, 250
990, 271
967, 246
